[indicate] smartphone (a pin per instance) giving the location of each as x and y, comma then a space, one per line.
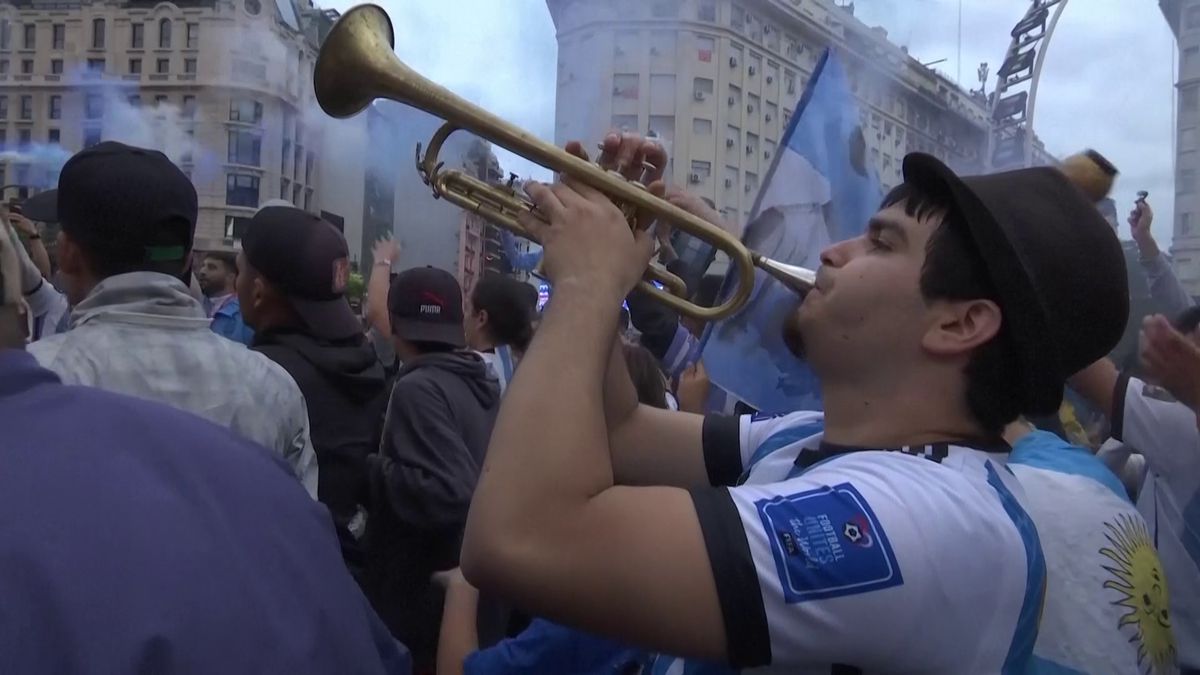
1142, 196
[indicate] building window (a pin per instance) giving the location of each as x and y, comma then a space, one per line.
705, 48
3, 66
191, 143
93, 108
702, 127
625, 122
160, 100
1186, 184
3, 142
163, 66
235, 227
55, 111
135, 101
98, 34
707, 12
664, 9
1185, 223
56, 66
285, 158
1189, 98
1191, 18
3, 107
700, 171
54, 136
26, 107
58, 35
738, 18
245, 148
95, 66
308, 195
24, 138
241, 190
164, 34
135, 66
137, 39
626, 86
246, 71
309, 160
30, 36
189, 107
245, 110
193, 36
285, 188
5, 33
91, 136
27, 66
189, 66
1191, 56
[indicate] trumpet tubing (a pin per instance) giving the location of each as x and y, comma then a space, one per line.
357, 65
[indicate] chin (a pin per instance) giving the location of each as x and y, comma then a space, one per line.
793, 333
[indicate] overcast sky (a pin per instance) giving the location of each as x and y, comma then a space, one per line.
1108, 81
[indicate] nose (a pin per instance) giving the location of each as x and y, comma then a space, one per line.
837, 254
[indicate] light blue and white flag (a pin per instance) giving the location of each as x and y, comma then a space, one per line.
819, 190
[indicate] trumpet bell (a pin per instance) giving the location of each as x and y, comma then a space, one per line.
361, 38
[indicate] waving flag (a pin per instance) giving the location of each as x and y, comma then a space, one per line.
819, 190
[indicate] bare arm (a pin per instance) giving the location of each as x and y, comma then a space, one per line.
33, 243
548, 530
385, 253
459, 637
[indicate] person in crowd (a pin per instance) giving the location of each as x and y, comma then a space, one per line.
150, 540
384, 255
218, 277
438, 423
294, 269
1157, 415
806, 532
1106, 589
48, 308
499, 324
128, 216
1165, 288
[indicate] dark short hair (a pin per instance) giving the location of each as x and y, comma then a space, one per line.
646, 375
954, 269
1187, 321
229, 260
433, 347
708, 290
510, 316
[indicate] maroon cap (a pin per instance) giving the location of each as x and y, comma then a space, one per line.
426, 305
307, 259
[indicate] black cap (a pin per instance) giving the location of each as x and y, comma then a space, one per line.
42, 207
1054, 261
126, 199
307, 260
426, 305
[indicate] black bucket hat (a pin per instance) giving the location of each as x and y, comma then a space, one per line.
1056, 265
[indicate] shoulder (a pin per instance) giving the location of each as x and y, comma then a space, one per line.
67, 354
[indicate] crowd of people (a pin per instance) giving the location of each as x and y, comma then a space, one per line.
213, 463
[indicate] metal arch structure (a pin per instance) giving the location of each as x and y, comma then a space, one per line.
1010, 144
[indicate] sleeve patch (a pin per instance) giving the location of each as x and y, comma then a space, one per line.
827, 543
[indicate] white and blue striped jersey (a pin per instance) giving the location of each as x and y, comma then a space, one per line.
849, 560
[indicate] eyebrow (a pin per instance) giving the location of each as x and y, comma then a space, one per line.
879, 224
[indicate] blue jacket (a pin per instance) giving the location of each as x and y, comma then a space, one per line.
552, 649
138, 538
227, 322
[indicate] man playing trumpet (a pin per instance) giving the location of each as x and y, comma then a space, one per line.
884, 533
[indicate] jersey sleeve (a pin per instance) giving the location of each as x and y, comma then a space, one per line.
874, 561
1162, 429
732, 443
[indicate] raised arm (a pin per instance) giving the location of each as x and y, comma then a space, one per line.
385, 253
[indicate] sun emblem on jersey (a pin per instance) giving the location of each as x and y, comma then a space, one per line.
1137, 576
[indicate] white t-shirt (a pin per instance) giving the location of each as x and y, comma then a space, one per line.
1106, 601
1164, 431
904, 560
502, 363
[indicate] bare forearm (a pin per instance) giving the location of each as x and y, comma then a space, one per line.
1096, 384
459, 637
39, 256
377, 298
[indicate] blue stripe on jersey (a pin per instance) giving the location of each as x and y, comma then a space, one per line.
683, 351
782, 439
1190, 533
506, 362
1020, 652
672, 665
1044, 450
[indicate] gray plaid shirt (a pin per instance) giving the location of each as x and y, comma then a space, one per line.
144, 335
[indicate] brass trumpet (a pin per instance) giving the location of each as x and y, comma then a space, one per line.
358, 64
